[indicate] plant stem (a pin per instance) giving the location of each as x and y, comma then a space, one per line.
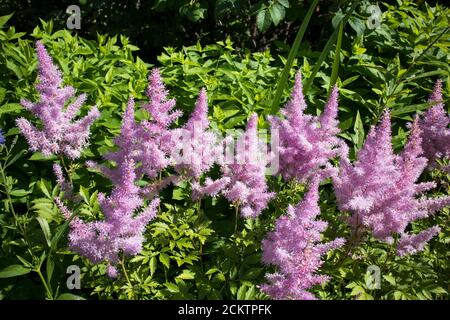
66, 170
236, 217
47, 289
122, 263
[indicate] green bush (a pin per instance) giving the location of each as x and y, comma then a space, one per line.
185, 257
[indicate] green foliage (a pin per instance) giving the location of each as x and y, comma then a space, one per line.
192, 249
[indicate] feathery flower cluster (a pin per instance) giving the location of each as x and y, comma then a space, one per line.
149, 142
59, 134
200, 146
295, 249
306, 142
435, 131
380, 188
121, 230
247, 182
157, 140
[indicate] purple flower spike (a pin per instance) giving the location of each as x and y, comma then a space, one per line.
60, 134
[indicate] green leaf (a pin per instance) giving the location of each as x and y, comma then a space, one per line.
84, 193
109, 75
186, 275
10, 108
172, 287
284, 3
336, 62
277, 13
20, 193
241, 292
69, 296
357, 290
178, 194
153, 264
14, 271
359, 131
327, 48
4, 19
164, 259
45, 229
42, 185
263, 20
290, 60
390, 279
250, 294
37, 156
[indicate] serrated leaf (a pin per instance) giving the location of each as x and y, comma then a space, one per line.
250, 294
186, 275
42, 185
164, 259
172, 287
241, 292
153, 264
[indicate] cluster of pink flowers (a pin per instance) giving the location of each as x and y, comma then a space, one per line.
435, 130
60, 134
307, 142
243, 180
200, 147
380, 188
295, 248
121, 231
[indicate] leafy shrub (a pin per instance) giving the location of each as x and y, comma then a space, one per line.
197, 259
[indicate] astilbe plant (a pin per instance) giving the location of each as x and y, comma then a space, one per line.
121, 231
60, 134
150, 142
200, 146
380, 189
435, 131
295, 248
307, 142
247, 186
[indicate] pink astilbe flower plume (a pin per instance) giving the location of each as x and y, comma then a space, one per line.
126, 143
60, 134
157, 140
294, 247
380, 189
307, 142
200, 146
122, 229
246, 175
149, 142
435, 130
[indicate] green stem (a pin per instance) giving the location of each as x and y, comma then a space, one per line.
122, 263
65, 169
8, 196
236, 217
47, 289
